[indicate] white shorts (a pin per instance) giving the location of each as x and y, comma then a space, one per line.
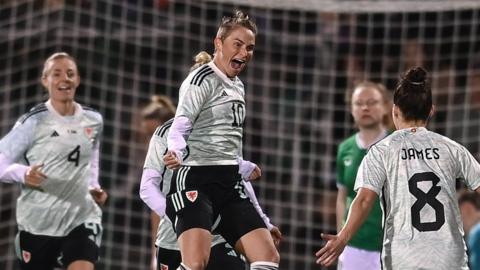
359, 259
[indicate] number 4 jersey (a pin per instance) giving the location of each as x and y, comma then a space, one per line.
414, 172
64, 145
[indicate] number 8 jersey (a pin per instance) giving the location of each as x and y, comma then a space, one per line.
64, 145
414, 172
215, 106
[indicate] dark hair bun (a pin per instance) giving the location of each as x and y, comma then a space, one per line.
416, 76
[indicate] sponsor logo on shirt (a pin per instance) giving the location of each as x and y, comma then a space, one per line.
54, 134
232, 253
192, 195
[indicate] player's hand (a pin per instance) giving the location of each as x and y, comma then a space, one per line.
276, 235
332, 249
171, 161
99, 196
34, 177
256, 173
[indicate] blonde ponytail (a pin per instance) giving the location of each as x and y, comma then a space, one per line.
200, 59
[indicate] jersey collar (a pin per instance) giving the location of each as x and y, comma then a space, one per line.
413, 129
362, 145
76, 115
222, 75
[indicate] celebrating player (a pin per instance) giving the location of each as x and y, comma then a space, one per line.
207, 192
414, 172
53, 151
158, 111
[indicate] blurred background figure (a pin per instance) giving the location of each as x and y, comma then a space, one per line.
368, 103
158, 111
469, 203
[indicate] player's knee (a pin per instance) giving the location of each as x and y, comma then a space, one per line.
270, 255
273, 256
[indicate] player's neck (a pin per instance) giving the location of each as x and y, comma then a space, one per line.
411, 124
63, 108
371, 135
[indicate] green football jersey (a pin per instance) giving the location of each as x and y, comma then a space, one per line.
349, 157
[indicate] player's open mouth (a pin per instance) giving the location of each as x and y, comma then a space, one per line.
64, 88
237, 63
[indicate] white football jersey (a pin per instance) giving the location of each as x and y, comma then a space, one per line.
64, 145
215, 106
414, 172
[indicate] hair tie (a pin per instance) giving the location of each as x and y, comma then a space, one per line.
415, 83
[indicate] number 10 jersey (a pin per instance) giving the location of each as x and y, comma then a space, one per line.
215, 106
414, 172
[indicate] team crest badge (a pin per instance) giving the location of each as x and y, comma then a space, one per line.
89, 132
192, 195
26, 256
163, 267
347, 162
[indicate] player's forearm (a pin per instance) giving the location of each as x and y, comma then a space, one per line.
11, 172
340, 207
94, 161
150, 191
253, 198
359, 210
178, 134
245, 168
155, 221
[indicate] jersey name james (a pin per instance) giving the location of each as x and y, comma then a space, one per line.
414, 171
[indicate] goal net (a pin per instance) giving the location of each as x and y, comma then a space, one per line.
308, 53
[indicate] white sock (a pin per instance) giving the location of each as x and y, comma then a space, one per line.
183, 267
264, 266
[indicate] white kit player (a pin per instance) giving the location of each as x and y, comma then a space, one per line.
53, 151
209, 119
414, 171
